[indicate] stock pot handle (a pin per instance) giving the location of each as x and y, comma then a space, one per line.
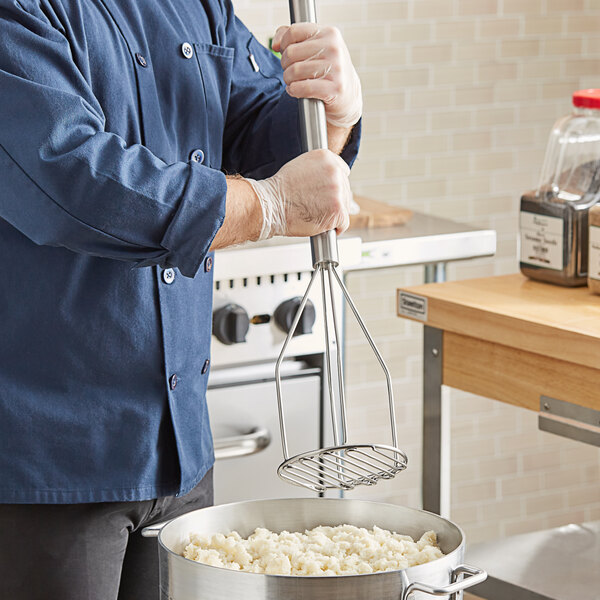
153, 530
471, 576
242, 445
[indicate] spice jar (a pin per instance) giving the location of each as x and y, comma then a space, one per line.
554, 217
594, 250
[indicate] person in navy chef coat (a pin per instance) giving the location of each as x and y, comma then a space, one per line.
136, 137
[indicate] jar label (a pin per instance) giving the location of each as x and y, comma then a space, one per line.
542, 241
594, 253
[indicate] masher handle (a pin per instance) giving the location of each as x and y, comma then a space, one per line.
313, 123
313, 128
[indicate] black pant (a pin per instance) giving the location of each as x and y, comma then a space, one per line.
86, 551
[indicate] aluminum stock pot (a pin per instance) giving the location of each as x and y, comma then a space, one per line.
183, 579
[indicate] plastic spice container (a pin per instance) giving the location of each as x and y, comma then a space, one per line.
554, 217
594, 250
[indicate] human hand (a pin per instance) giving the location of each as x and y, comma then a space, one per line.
307, 196
316, 64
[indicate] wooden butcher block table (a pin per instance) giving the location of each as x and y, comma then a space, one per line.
531, 345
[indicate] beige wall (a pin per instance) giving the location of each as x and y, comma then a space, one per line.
459, 99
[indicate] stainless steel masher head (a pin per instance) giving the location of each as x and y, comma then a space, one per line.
341, 466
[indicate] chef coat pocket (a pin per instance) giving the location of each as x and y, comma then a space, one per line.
215, 64
263, 61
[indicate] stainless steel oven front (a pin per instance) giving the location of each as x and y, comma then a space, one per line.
243, 411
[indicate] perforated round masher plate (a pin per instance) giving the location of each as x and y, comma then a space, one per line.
343, 467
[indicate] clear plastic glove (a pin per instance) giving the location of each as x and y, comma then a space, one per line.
316, 64
308, 195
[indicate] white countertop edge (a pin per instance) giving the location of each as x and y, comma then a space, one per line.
276, 259
426, 249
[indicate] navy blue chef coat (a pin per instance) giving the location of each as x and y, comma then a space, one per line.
117, 121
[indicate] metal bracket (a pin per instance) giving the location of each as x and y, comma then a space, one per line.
569, 420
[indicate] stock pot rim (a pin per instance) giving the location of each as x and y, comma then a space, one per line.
414, 570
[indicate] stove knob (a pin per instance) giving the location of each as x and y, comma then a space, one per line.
286, 311
231, 324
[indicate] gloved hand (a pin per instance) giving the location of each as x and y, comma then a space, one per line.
316, 64
308, 195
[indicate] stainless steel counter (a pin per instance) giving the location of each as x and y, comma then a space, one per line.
556, 564
423, 240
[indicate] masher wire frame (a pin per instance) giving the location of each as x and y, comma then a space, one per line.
342, 466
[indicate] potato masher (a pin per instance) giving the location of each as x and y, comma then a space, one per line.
342, 466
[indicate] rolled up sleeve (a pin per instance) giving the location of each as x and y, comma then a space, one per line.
67, 181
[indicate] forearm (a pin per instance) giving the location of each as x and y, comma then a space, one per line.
337, 137
243, 215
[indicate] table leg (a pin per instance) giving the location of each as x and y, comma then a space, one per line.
436, 415
435, 273
436, 418
436, 451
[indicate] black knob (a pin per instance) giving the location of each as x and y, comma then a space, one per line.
231, 324
286, 312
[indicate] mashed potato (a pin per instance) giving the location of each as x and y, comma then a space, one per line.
341, 550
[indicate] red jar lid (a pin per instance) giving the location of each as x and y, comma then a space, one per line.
586, 99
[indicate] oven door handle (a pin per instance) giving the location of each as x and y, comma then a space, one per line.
242, 445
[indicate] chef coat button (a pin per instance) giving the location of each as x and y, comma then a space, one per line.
208, 263
168, 276
173, 381
205, 366
187, 50
197, 156
141, 59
